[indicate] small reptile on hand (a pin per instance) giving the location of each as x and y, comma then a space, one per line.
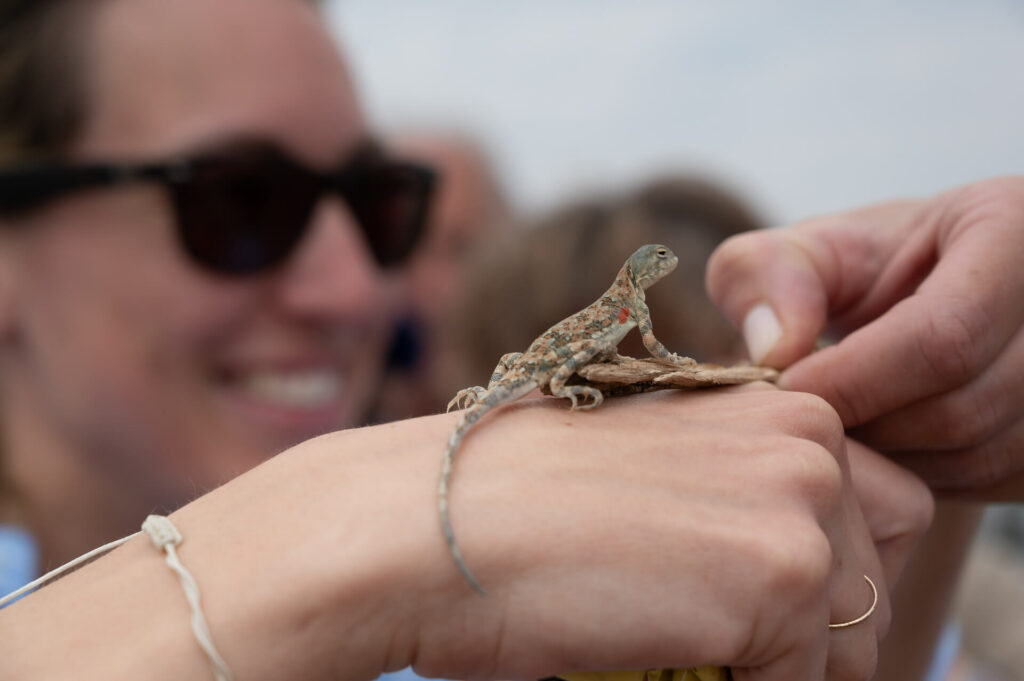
590, 335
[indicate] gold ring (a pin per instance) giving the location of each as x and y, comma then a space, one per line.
874, 602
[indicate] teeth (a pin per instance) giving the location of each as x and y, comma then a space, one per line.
305, 389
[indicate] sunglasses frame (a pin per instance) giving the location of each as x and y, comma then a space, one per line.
25, 189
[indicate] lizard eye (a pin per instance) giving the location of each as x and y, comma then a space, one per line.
662, 252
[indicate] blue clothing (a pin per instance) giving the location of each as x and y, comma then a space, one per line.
19, 558
406, 674
946, 650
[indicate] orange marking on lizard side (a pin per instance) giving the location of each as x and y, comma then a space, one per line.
623, 315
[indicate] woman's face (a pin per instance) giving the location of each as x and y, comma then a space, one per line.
122, 350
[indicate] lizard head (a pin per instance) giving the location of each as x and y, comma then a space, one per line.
650, 263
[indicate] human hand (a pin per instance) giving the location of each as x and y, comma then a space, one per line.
667, 530
927, 298
672, 530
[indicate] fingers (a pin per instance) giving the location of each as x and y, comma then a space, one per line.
931, 291
853, 648
861, 613
771, 289
782, 286
962, 419
897, 507
945, 335
991, 471
729, 535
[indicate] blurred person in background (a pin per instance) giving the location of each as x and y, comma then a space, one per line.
470, 209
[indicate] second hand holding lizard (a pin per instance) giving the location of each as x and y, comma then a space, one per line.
592, 334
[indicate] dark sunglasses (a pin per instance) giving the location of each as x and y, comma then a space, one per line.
243, 209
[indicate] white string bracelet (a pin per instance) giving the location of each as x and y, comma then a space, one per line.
165, 537
53, 574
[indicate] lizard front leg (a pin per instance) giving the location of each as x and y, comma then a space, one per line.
583, 353
654, 346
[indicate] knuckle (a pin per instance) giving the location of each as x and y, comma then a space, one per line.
795, 562
810, 417
1004, 195
966, 418
950, 344
735, 259
813, 475
983, 466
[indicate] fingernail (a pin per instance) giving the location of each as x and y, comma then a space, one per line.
761, 331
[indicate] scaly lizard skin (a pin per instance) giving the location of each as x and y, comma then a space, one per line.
589, 335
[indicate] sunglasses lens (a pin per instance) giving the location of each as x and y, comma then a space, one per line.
246, 214
244, 217
390, 201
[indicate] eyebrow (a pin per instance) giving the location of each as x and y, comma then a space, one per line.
27, 186
367, 146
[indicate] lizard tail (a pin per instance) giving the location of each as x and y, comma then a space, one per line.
465, 421
468, 418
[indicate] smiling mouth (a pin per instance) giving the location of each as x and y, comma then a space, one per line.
312, 389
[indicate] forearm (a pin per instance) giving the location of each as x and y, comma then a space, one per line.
121, 617
328, 562
259, 549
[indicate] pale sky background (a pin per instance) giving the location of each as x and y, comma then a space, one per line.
805, 106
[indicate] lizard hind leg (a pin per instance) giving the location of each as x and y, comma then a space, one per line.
592, 397
504, 365
467, 397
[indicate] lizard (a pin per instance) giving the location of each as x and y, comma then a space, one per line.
590, 335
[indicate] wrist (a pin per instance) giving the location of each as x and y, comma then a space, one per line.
309, 562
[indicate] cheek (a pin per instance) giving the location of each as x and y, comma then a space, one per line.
110, 328
120, 323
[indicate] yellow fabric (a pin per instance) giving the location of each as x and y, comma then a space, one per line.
694, 674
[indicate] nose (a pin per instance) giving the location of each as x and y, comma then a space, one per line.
332, 272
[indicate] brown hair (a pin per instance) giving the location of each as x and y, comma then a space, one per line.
42, 94
44, 99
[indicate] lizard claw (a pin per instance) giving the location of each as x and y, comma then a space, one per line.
680, 361
592, 397
465, 398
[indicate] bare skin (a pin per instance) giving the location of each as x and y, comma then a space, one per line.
925, 295
590, 334
738, 502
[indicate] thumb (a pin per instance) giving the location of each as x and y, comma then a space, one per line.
770, 288
782, 286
